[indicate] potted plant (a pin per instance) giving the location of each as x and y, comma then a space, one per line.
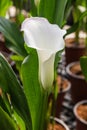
75, 46
19, 103
78, 82
59, 124
63, 86
80, 111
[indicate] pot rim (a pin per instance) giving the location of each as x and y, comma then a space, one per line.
72, 74
68, 86
75, 112
60, 122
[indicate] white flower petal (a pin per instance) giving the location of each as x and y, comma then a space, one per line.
47, 39
47, 72
42, 35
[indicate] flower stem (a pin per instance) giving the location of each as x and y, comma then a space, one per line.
43, 123
54, 99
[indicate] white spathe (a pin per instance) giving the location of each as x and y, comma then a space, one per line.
47, 39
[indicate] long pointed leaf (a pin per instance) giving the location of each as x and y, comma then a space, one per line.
19, 121
4, 105
33, 8
13, 87
4, 5
6, 123
83, 63
32, 87
59, 11
13, 35
75, 26
47, 9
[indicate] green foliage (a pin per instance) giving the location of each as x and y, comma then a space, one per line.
4, 6
75, 26
83, 63
18, 120
32, 87
57, 59
14, 37
10, 84
68, 9
47, 9
6, 123
59, 12
33, 8
36, 96
5, 105
81, 2
19, 4
18, 61
53, 10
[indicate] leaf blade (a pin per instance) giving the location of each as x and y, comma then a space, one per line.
59, 12
4, 5
32, 87
13, 87
83, 63
47, 9
6, 122
14, 37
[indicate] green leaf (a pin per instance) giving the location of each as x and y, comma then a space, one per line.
72, 29
4, 105
57, 59
47, 9
81, 2
59, 12
14, 37
33, 8
4, 6
32, 87
53, 10
83, 15
18, 61
19, 121
19, 4
76, 14
68, 9
6, 123
75, 26
17, 58
11, 85
83, 63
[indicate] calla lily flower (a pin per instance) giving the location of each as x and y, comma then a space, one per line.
47, 39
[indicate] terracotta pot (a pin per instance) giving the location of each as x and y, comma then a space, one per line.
73, 51
58, 122
81, 124
78, 84
65, 84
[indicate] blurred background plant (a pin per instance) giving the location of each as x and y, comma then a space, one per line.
78, 17
76, 35
14, 10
